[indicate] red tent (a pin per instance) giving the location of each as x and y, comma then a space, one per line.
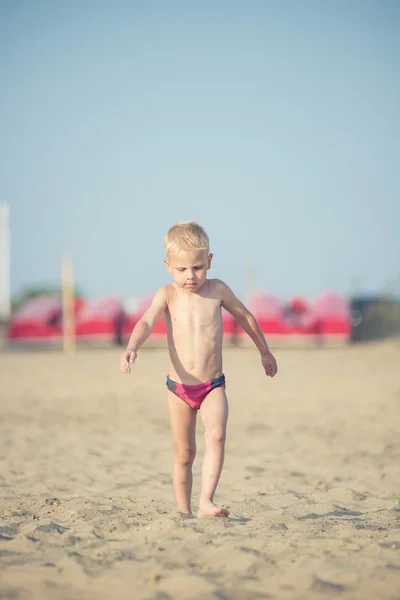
326, 319
39, 319
333, 315
268, 310
299, 317
331, 303
101, 320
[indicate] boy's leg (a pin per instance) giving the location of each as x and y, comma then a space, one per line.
214, 414
183, 426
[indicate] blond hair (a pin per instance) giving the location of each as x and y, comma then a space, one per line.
187, 235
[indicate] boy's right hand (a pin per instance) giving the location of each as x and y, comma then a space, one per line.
127, 359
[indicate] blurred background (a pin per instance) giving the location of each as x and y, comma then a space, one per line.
274, 125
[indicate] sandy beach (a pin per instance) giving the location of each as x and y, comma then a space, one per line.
312, 480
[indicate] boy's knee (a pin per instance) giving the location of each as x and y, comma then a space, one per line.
184, 455
216, 436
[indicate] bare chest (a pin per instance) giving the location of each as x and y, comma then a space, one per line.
194, 312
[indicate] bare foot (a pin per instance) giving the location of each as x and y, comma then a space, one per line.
208, 509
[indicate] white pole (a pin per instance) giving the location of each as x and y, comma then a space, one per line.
68, 305
5, 299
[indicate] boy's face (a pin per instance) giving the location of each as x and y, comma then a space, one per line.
189, 269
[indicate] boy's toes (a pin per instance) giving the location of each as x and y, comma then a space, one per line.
209, 510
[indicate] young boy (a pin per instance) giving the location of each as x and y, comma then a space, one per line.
196, 383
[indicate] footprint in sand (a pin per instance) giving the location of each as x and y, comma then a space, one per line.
8, 532
52, 528
320, 585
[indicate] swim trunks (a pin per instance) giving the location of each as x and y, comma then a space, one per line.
194, 395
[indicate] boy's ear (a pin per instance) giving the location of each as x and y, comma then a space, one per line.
209, 260
168, 265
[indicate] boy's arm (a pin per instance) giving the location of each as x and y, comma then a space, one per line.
250, 325
145, 325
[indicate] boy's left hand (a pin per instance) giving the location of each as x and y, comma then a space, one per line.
269, 363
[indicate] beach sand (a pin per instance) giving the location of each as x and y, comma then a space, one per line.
312, 480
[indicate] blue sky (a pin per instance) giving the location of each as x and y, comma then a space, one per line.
276, 125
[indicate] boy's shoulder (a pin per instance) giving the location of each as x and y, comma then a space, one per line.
167, 292
163, 293
217, 283
217, 286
